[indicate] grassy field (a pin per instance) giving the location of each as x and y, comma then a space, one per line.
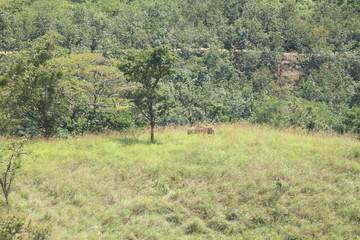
244, 182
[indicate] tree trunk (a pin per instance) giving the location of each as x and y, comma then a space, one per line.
152, 123
5, 192
7, 198
152, 137
47, 129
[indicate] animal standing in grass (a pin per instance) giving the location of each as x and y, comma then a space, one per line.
200, 129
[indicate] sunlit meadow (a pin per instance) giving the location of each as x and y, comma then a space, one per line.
243, 182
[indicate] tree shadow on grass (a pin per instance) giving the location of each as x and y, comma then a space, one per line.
135, 141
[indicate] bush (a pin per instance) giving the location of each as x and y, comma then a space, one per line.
218, 112
10, 227
179, 116
14, 227
271, 112
313, 116
352, 120
102, 121
298, 113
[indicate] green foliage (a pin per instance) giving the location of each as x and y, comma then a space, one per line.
102, 121
270, 112
262, 81
10, 162
352, 120
14, 227
298, 113
7, 36
312, 116
330, 85
149, 69
301, 26
257, 32
10, 227
37, 232
284, 182
206, 79
97, 83
218, 112
36, 91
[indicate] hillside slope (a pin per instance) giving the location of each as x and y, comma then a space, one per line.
244, 182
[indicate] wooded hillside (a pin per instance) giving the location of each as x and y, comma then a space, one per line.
282, 62
107, 25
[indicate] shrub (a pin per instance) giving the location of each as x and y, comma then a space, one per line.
298, 113
10, 162
102, 121
10, 227
352, 120
218, 112
271, 112
14, 227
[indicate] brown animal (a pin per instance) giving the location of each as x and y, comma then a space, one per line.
200, 129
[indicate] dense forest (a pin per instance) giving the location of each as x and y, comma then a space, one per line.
63, 63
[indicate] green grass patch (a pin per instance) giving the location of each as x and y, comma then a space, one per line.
244, 182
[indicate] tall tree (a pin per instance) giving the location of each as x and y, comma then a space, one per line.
149, 69
35, 93
99, 84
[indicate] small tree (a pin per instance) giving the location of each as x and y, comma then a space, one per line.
10, 163
148, 69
